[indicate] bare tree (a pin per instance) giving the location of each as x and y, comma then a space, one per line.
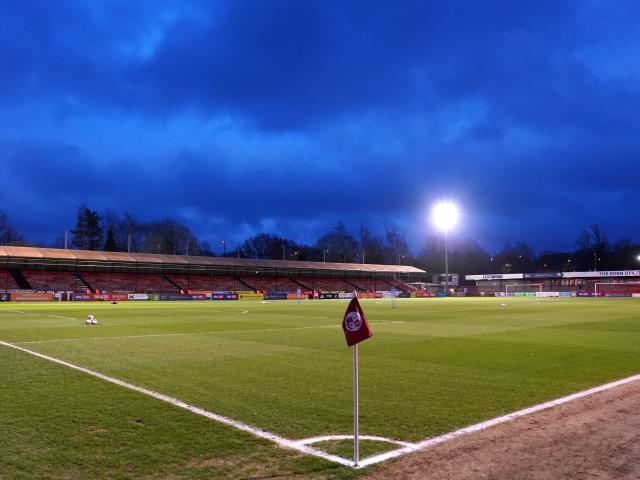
339, 245
371, 247
8, 233
396, 247
267, 246
88, 233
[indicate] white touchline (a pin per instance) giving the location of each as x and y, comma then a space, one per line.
221, 332
284, 442
302, 445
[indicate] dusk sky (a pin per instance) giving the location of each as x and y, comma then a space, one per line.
287, 116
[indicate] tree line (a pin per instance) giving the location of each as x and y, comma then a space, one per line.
122, 232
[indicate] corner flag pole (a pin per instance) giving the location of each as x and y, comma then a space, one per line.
356, 329
356, 452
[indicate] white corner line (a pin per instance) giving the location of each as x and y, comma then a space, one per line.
281, 441
329, 438
303, 444
430, 442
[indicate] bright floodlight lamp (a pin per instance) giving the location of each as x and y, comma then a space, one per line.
445, 216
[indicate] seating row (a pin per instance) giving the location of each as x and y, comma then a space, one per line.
157, 283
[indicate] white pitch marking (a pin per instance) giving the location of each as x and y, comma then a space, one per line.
329, 438
300, 445
55, 340
41, 314
283, 442
429, 442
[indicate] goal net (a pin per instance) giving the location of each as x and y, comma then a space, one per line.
522, 289
616, 289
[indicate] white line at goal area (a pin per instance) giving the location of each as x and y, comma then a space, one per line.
303, 445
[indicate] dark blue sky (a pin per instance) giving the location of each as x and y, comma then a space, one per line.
287, 116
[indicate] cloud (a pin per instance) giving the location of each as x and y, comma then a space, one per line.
238, 115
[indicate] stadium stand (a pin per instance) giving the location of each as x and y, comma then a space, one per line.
128, 282
6, 281
82, 271
368, 285
303, 283
580, 284
51, 280
271, 284
399, 285
206, 282
329, 284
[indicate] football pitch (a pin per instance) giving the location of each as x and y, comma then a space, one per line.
433, 366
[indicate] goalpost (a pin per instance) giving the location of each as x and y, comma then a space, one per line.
598, 292
525, 285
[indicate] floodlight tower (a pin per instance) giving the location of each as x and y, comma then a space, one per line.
445, 216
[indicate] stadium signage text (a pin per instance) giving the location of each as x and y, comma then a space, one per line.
329, 295
138, 296
275, 296
224, 296
496, 276
250, 296
101, 297
31, 297
515, 276
543, 275
178, 297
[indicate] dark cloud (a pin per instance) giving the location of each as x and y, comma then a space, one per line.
240, 116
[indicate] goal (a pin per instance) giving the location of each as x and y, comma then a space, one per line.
522, 288
616, 289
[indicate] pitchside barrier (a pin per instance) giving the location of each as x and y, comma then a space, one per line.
250, 296
424, 294
224, 296
138, 296
31, 297
101, 297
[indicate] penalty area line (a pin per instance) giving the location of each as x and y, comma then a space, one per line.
281, 441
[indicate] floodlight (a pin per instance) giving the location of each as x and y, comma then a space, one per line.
445, 215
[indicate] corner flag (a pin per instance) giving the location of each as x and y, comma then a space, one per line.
356, 329
354, 324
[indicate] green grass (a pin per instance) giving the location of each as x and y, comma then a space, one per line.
442, 364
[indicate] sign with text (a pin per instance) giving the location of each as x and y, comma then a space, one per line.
31, 297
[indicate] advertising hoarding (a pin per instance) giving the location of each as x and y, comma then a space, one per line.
31, 297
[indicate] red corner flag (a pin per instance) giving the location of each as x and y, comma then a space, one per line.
354, 324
